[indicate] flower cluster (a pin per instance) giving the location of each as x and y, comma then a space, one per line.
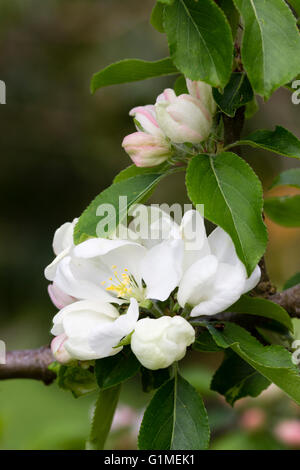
142, 288
172, 120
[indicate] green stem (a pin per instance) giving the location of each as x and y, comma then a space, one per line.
105, 408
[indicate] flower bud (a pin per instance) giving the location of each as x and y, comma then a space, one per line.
288, 432
157, 343
202, 92
146, 150
58, 349
145, 119
183, 118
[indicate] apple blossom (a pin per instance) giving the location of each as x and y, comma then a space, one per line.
157, 343
202, 92
89, 330
149, 146
183, 118
58, 349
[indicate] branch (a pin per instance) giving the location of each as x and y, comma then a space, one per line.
28, 364
289, 299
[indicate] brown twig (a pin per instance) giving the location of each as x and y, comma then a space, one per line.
28, 364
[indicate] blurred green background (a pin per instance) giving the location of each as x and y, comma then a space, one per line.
60, 147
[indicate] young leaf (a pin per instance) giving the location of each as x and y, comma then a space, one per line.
280, 141
153, 379
231, 13
176, 419
237, 93
134, 170
205, 343
103, 415
201, 28
271, 44
134, 189
236, 379
232, 198
263, 308
156, 18
293, 281
288, 178
273, 362
131, 70
284, 210
114, 370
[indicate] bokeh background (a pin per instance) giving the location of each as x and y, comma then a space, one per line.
60, 146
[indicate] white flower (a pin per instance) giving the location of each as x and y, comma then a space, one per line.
116, 270
216, 279
157, 343
62, 244
183, 118
91, 330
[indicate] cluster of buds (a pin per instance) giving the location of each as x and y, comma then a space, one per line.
186, 118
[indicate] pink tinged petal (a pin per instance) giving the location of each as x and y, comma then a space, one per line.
162, 268
58, 297
288, 431
58, 349
168, 95
146, 117
146, 150
202, 92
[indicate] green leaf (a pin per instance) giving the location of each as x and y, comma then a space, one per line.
135, 189
103, 415
293, 281
237, 93
271, 44
296, 5
200, 40
284, 210
156, 18
288, 178
232, 198
231, 13
131, 70
251, 108
205, 343
153, 379
280, 141
134, 170
176, 419
180, 87
262, 308
114, 370
236, 379
273, 362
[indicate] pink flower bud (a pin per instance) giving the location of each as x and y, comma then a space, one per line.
288, 432
58, 297
202, 92
253, 419
145, 118
58, 349
146, 150
183, 118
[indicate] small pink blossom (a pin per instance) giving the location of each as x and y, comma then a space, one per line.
146, 150
58, 349
288, 432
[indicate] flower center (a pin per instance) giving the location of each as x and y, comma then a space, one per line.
124, 285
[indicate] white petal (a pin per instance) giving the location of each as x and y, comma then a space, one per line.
195, 240
50, 270
104, 338
253, 280
63, 237
222, 246
225, 290
83, 280
162, 269
196, 281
